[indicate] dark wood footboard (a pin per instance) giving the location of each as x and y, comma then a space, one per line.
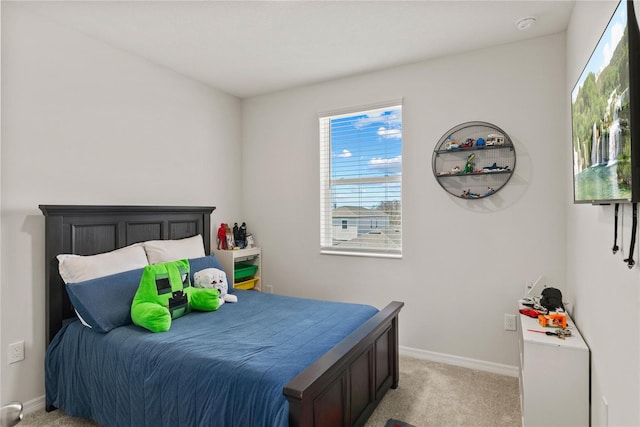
344, 386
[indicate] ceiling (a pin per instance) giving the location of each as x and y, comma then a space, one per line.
249, 48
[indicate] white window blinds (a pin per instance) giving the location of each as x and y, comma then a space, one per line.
361, 181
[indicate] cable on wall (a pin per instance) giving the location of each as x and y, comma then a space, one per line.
615, 229
630, 262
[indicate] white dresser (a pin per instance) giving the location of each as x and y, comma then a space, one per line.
554, 376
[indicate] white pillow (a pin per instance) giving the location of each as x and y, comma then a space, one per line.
172, 250
78, 268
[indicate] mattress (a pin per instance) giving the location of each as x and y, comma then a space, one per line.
225, 368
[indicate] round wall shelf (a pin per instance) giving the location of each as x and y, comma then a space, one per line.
474, 160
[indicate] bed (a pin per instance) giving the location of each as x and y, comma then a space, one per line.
336, 377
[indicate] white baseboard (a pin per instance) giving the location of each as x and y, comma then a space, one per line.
480, 365
33, 405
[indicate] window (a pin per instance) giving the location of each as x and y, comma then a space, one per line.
361, 181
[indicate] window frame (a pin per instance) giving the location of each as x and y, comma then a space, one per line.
326, 182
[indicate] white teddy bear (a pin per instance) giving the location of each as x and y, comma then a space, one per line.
214, 278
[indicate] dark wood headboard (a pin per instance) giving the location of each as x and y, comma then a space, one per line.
89, 230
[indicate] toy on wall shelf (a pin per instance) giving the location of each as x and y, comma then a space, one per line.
468, 143
468, 168
495, 168
495, 139
467, 194
456, 170
489, 192
451, 144
480, 143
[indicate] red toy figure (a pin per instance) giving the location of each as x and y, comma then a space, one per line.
222, 236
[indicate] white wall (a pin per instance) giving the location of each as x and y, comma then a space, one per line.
84, 123
606, 304
1, 391
465, 262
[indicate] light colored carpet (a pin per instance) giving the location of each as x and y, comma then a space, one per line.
429, 394
435, 394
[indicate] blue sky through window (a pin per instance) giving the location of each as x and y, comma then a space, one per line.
366, 148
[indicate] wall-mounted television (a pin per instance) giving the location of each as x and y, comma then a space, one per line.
605, 107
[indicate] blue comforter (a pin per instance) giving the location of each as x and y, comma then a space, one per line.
224, 368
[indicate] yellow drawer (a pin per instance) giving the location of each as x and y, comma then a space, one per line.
247, 284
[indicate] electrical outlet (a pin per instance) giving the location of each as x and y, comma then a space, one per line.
16, 352
509, 322
268, 289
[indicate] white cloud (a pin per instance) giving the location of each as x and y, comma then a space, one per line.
345, 154
389, 133
379, 162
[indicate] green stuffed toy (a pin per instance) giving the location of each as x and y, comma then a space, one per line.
165, 293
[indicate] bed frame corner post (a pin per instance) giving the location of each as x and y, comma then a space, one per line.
396, 354
54, 293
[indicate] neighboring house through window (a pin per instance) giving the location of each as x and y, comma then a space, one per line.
361, 180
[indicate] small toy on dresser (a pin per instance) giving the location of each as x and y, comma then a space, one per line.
240, 235
222, 236
225, 237
215, 278
553, 320
236, 238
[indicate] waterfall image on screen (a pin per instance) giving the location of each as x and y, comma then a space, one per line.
600, 118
